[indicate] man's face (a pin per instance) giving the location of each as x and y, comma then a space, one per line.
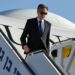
42, 13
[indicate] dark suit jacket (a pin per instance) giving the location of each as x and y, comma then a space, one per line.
35, 41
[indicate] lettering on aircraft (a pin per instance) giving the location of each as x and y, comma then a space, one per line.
8, 63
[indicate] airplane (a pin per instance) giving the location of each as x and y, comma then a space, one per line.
12, 23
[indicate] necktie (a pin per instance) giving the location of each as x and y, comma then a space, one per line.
40, 28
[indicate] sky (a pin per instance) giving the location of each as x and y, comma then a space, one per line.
64, 8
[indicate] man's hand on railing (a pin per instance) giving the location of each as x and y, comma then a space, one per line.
26, 49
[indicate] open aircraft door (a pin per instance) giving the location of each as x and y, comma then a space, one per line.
63, 54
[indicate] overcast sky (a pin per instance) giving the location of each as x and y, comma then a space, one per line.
64, 8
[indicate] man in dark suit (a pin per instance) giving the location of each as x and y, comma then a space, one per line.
37, 32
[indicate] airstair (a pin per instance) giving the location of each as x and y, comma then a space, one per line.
36, 63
